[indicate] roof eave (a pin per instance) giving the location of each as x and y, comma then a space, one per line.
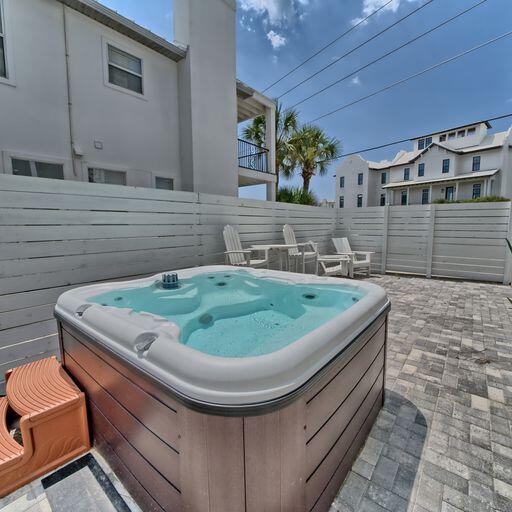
115, 21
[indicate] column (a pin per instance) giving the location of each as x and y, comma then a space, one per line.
271, 191
456, 191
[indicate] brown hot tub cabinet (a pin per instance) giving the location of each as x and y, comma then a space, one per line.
290, 454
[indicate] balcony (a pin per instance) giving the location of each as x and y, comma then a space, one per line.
252, 157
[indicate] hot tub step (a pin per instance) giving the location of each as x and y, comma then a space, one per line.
10, 450
53, 423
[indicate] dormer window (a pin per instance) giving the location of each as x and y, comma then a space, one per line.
421, 144
451, 135
471, 131
461, 133
428, 141
442, 138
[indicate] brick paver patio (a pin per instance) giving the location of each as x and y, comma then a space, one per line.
443, 441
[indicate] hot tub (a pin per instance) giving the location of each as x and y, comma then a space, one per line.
240, 389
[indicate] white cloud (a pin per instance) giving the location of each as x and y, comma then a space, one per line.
276, 12
355, 81
370, 6
276, 40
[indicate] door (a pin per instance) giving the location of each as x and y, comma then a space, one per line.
448, 193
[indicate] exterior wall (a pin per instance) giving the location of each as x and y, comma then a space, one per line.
350, 168
34, 120
208, 94
183, 127
139, 134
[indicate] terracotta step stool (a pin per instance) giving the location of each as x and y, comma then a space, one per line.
53, 423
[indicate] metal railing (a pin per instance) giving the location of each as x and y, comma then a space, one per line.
251, 156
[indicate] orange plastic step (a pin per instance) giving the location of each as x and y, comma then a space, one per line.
40, 386
10, 450
53, 423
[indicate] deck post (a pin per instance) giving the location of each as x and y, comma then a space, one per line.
385, 223
430, 240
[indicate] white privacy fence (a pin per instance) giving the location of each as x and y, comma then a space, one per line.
56, 235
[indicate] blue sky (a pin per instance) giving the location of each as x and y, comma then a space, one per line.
275, 35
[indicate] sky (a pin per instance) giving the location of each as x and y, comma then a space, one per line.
273, 36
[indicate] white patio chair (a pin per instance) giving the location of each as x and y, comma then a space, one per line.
236, 255
300, 252
334, 265
359, 260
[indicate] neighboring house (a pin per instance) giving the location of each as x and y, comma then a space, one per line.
460, 163
88, 95
325, 203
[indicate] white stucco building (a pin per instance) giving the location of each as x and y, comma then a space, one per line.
86, 94
459, 163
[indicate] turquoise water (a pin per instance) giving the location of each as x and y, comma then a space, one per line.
233, 314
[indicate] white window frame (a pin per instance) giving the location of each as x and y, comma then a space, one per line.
108, 169
9, 156
134, 53
155, 177
9, 60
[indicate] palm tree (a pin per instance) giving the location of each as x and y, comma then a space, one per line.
286, 124
296, 195
312, 151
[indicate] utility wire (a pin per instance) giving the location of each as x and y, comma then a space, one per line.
332, 84
318, 52
346, 54
415, 75
395, 142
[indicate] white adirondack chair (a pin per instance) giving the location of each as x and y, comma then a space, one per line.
300, 252
236, 255
359, 260
334, 265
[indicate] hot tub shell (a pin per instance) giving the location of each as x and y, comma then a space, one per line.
284, 446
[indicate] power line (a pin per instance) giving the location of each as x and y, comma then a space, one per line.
335, 40
401, 141
389, 27
415, 75
332, 84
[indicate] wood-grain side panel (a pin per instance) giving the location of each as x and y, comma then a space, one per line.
131, 373
156, 416
133, 486
154, 483
321, 443
325, 403
275, 460
347, 355
318, 481
164, 459
330, 491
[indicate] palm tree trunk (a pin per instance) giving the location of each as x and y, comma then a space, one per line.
306, 179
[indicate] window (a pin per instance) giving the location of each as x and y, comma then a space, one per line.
448, 193
424, 196
3, 64
359, 200
442, 138
383, 199
451, 136
22, 167
164, 183
403, 198
476, 163
421, 170
407, 174
342, 181
428, 141
383, 178
421, 144
107, 176
477, 190
342, 202
461, 133
124, 70
446, 165
471, 131
360, 178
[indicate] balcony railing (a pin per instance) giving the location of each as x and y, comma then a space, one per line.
251, 156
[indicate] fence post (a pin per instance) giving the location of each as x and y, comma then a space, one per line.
507, 271
385, 224
430, 240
